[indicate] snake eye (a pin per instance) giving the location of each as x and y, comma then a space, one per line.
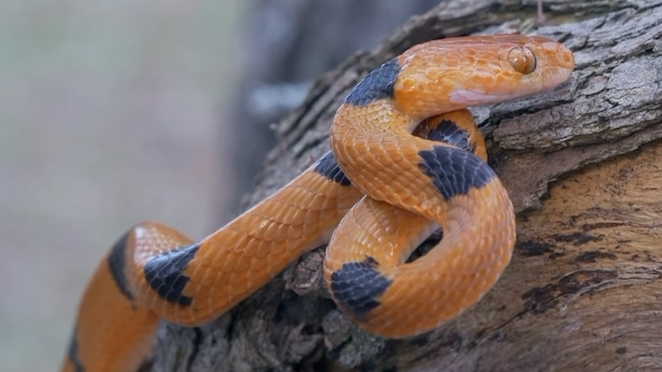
522, 59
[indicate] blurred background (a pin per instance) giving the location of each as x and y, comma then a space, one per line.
114, 112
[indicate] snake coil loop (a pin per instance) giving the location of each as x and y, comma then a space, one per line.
413, 183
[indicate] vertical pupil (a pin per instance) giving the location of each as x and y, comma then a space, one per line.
522, 60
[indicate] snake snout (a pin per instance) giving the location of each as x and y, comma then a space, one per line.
555, 61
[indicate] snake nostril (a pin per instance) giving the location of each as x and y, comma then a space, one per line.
522, 60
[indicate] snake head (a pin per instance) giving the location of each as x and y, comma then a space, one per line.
448, 74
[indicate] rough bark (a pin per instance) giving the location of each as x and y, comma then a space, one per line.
582, 166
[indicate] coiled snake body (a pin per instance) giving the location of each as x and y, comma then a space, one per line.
413, 185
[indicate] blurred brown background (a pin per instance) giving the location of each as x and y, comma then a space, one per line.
114, 112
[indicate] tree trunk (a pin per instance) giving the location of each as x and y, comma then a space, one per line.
582, 165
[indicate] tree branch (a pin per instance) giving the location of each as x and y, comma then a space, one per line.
582, 291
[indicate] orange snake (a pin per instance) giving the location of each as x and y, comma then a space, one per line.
413, 185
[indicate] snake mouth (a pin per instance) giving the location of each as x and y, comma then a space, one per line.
469, 97
465, 97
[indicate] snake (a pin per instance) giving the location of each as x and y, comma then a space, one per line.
406, 159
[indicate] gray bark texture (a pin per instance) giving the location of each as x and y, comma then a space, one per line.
582, 166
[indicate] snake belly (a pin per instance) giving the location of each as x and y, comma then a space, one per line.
390, 189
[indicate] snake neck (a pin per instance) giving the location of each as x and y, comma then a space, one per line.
373, 145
